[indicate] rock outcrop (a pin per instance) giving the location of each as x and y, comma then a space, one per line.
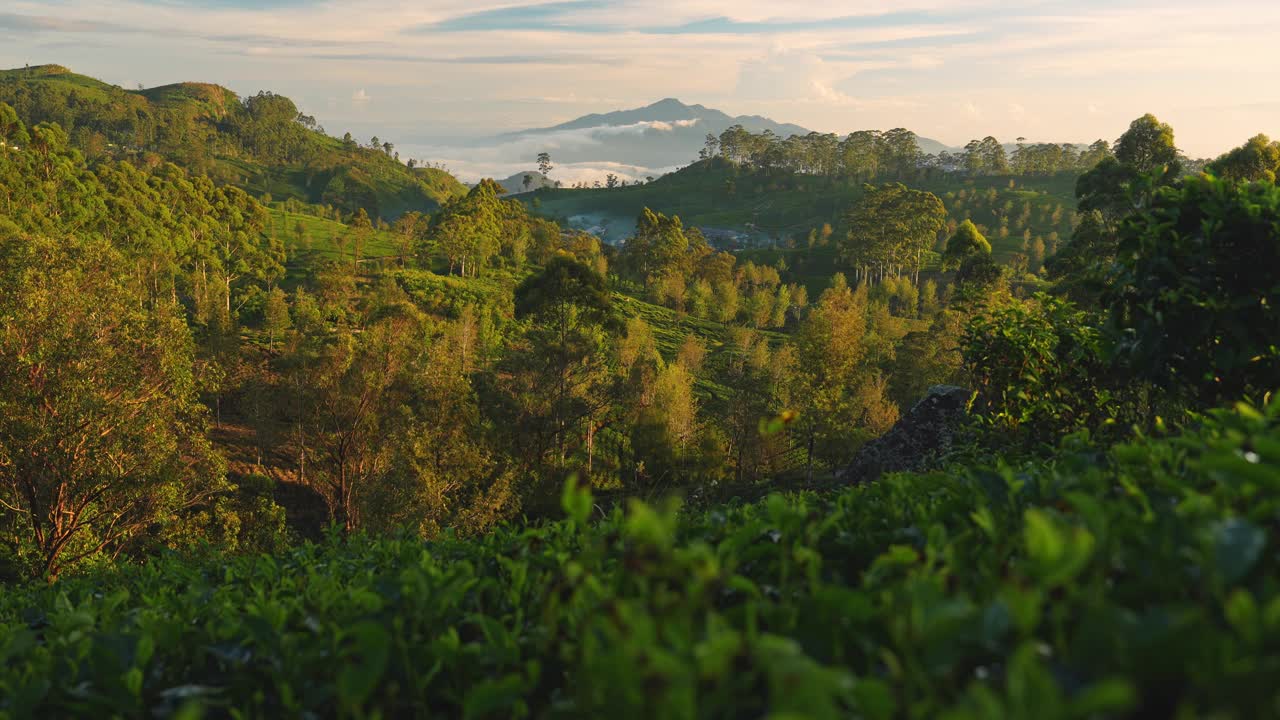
918, 439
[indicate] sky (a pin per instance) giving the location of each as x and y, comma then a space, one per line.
425, 74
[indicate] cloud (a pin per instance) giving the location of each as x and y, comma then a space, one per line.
558, 16
669, 126
44, 23
360, 97
467, 67
556, 59
506, 156
790, 75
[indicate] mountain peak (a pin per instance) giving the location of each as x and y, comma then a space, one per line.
666, 134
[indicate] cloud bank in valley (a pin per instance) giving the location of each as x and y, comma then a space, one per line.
505, 156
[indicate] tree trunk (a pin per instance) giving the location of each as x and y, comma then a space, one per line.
809, 460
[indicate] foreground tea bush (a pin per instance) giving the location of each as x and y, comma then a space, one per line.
1143, 582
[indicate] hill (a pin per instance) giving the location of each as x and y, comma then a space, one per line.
516, 183
756, 208
262, 143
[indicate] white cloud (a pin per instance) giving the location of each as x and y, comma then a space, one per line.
501, 159
789, 75
360, 97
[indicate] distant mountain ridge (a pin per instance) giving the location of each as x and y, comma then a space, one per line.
671, 110
665, 134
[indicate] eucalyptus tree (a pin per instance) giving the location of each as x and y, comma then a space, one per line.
889, 229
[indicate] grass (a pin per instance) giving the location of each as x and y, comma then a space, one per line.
323, 239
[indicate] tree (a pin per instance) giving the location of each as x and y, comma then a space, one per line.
237, 246
986, 157
665, 433
889, 230
658, 246
468, 229
300, 235
1098, 151
833, 363
275, 313
966, 241
528, 182
1145, 160
544, 164
1038, 369
12, 131
408, 228
360, 394
361, 233
1257, 159
1148, 146
268, 127
558, 383
101, 431
757, 380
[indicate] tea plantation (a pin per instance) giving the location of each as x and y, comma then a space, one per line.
1143, 581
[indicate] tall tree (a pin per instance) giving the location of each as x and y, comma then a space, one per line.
101, 431
1148, 145
557, 377
361, 391
890, 228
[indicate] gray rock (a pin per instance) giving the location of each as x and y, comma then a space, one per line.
918, 439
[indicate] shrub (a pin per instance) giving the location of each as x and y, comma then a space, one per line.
1194, 298
1039, 370
1141, 582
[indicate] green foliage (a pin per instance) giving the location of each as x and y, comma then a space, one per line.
564, 292
261, 142
890, 228
101, 431
1147, 146
965, 242
1136, 583
1257, 159
1039, 370
418, 409
450, 296
1193, 295
837, 376
658, 246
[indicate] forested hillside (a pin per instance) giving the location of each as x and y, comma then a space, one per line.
261, 143
281, 436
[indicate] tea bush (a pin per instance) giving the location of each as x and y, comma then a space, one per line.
1142, 581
